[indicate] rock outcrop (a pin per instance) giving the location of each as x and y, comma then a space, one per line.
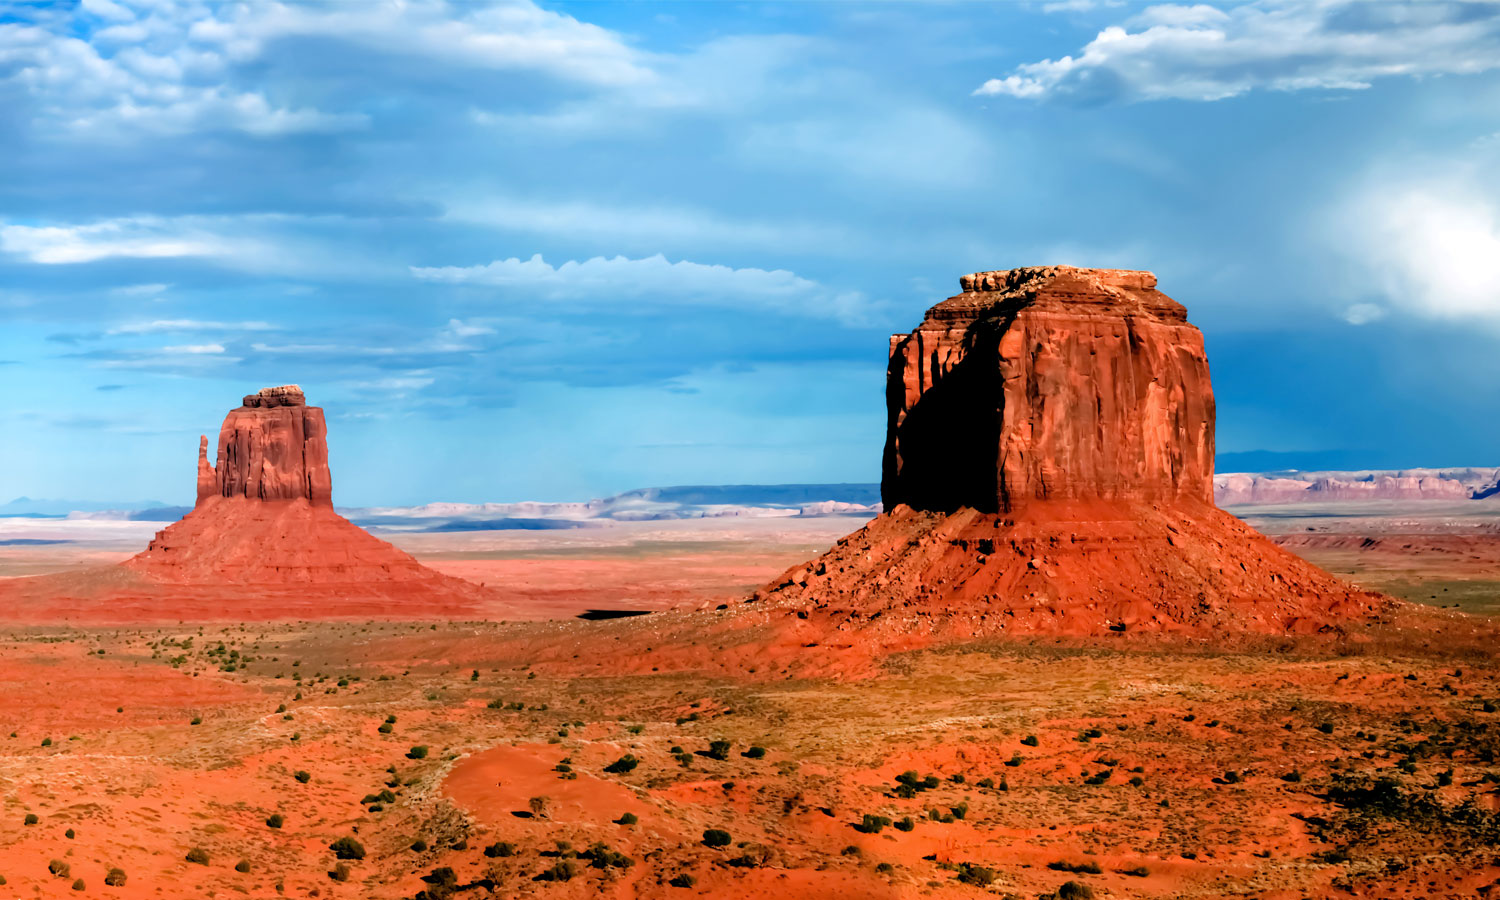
1049, 468
264, 515
273, 447
1048, 384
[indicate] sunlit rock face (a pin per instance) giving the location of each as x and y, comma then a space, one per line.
1049, 383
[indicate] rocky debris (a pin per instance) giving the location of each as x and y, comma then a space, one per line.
1049, 468
1048, 383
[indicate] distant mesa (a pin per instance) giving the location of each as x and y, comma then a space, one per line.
1048, 467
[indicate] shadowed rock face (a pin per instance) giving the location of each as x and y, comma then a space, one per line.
273, 447
1049, 383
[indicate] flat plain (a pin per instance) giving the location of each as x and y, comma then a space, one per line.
238, 758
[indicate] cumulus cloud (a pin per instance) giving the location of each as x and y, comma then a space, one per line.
655, 279
171, 325
1200, 52
109, 69
1435, 250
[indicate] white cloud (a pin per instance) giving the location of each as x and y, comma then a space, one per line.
1200, 52
170, 325
142, 290
1432, 251
654, 279
460, 329
195, 349
142, 238
1363, 313
106, 71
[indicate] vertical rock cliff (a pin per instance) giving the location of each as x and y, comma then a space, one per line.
273, 447
1049, 383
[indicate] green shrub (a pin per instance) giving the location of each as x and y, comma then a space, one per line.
79, 885
275, 820
872, 824
622, 765
1074, 890
242, 866
1088, 868
715, 837
979, 876
718, 750
683, 880
500, 850
905, 824
385, 728
197, 720
562, 871
340, 872
418, 752
1136, 872
347, 848
69, 834
59, 868
197, 855
31, 819
419, 846
1030, 740
755, 753
115, 877
627, 819
303, 777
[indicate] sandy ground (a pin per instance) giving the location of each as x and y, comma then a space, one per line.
1161, 770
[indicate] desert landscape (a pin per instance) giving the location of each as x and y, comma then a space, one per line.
1061, 673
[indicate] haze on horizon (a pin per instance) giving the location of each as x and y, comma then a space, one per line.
557, 251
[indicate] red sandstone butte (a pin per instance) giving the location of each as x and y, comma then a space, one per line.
265, 511
262, 543
1048, 467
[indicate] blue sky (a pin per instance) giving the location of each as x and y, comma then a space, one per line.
557, 251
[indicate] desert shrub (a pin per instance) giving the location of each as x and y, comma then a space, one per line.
340, 872
624, 764
242, 866
31, 819
754, 753
1014, 761
563, 870
197, 720
115, 877
1325, 727
960, 810
1083, 868
718, 750
715, 837
347, 848
905, 824
197, 855
1075, 890
79, 885
1292, 777
1030, 740
885, 868
985, 783
275, 820
755, 855
442, 876
627, 819
417, 752
538, 806
979, 876
1136, 872
600, 856
59, 868
46, 742
385, 728
420, 846
500, 850
956, 778
872, 824
69, 834
683, 880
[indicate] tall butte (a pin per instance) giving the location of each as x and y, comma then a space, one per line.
264, 519
1048, 467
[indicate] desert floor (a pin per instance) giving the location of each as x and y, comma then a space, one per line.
1362, 765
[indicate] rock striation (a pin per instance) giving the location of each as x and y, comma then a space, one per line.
273, 447
1048, 467
1046, 384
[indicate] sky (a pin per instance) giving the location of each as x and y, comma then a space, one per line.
556, 251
